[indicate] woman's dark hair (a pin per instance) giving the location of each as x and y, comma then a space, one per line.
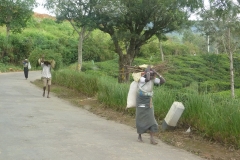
46, 63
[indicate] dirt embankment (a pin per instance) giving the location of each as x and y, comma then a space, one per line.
42, 16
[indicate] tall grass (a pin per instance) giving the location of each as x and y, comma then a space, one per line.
79, 81
215, 117
5, 67
223, 118
112, 93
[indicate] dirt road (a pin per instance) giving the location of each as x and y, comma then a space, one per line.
36, 128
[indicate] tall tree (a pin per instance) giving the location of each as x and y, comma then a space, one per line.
223, 26
132, 23
15, 13
79, 14
161, 38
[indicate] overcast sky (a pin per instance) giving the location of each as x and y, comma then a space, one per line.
40, 8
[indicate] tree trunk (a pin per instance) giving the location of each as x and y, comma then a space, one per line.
124, 61
208, 44
232, 74
80, 44
7, 36
161, 51
231, 63
7, 31
224, 45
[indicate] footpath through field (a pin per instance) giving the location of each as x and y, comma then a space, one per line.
36, 128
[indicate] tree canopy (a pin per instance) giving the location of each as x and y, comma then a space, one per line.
221, 23
129, 23
79, 14
15, 14
132, 23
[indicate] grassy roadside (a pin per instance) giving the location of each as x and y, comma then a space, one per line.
9, 68
190, 142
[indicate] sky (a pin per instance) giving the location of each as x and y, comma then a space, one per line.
40, 8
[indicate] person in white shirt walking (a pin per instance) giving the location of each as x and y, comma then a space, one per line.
46, 76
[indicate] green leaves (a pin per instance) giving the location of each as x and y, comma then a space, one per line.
15, 14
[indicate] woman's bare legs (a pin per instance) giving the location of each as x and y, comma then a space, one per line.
152, 140
48, 91
44, 88
140, 138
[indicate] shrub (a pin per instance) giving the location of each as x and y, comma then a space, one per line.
48, 54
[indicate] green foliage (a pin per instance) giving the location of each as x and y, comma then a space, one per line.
175, 49
48, 55
212, 115
68, 49
110, 67
140, 61
227, 93
151, 50
21, 47
223, 119
129, 34
6, 67
48, 22
14, 14
57, 37
97, 47
79, 81
111, 93
197, 41
45, 34
214, 86
16, 48
209, 71
32, 22
3, 46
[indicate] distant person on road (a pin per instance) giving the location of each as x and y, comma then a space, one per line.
145, 119
46, 76
26, 68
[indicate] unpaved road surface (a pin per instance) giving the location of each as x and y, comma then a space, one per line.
33, 127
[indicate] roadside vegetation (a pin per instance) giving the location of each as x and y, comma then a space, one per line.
209, 109
195, 77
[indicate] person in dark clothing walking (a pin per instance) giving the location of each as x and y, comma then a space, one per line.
25, 68
145, 120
